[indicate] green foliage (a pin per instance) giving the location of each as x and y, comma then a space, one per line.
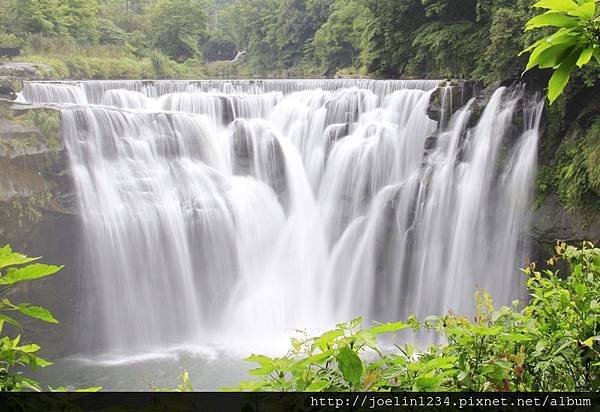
552, 344
15, 356
575, 42
574, 174
177, 26
499, 58
185, 384
10, 40
47, 122
477, 39
591, 155
15, 268
337, 41
387, 42
110, 33
566, 355
22, 17
445, 49
76, 18
292, 32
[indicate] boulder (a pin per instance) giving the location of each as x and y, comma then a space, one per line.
30, 71
450, 97
551, 222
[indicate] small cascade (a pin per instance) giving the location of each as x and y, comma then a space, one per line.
218, 211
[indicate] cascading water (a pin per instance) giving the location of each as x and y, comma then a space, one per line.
217, 210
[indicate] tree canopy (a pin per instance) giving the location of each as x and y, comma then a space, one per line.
476, 39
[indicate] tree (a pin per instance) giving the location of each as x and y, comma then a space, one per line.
177, 26
79, 18
575, 42
337, 42
23, 17
75, 18
387, 43
293, 30
249, 25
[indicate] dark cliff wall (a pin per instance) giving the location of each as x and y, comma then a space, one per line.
37, 214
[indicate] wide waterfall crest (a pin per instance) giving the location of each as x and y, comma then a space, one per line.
213, 209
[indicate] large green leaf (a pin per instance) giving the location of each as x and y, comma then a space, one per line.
9, 320
30, 272
327, 338
389, 327
551, 19
10, 258
36, 312
266, 365
561, 76
31, 348
535, 54
33, 361
590, 341
585, 56
317, 385
350, 365
554, 56
558, 5
585, 11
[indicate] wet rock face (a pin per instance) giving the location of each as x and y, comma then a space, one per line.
248, 146
34, 179
447, 100
38, 215
551, 222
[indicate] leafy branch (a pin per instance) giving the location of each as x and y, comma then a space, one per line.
573, 44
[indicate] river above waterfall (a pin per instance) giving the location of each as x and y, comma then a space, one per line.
226, 214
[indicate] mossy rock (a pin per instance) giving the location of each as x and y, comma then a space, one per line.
34, 178
10, 86
456, 97
27, 132
591, 155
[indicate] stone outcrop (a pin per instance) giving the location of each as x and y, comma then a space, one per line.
29, 71
38, 214
447, 100
34, 181
12, 75
552, 222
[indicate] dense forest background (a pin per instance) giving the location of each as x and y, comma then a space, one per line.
475, 39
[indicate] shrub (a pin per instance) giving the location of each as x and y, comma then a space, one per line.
109, 33
161, 65
552, 344
57, 68
9, 40
15, 268
574, 43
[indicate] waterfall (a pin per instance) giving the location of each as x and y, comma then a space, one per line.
214, 210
